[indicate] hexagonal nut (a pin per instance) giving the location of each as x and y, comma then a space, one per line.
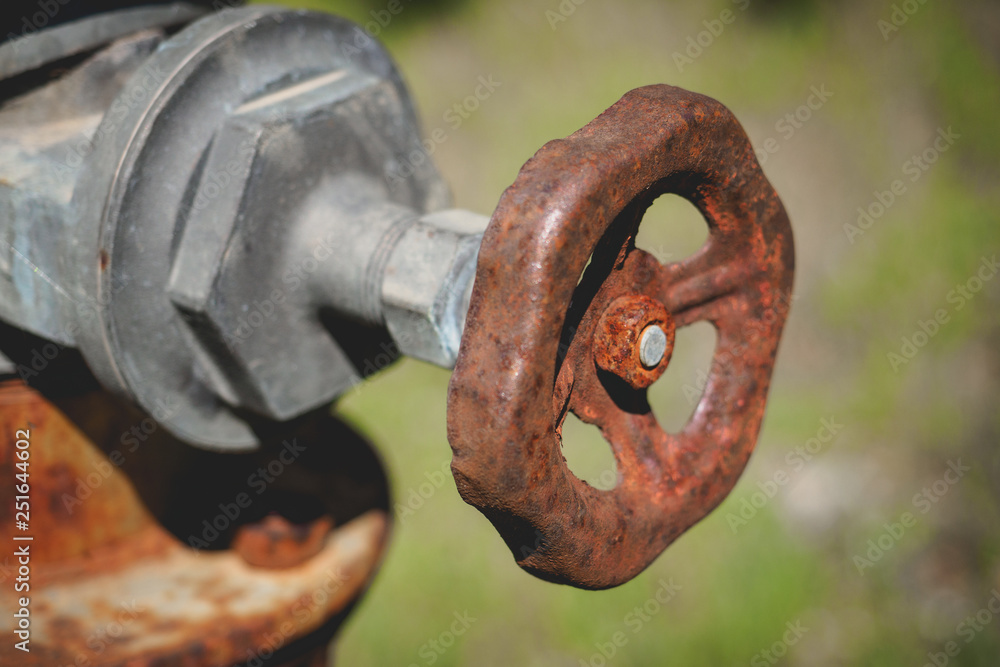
240, 273
428, 282
252, 138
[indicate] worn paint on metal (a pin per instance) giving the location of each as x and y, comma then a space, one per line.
582, 198
110, 586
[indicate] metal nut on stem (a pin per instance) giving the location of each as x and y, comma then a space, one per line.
634, 339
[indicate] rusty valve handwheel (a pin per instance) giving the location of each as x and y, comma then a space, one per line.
537, 343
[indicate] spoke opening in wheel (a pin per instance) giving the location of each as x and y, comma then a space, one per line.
672, 229
587, 453
674, 397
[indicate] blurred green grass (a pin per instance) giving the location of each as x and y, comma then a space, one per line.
854, 302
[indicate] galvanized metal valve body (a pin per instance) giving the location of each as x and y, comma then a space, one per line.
214, 226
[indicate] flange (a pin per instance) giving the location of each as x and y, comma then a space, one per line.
217, 147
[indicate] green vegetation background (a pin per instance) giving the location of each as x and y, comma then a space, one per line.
856, 298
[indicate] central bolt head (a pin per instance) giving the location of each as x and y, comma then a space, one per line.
652, 346
633, 339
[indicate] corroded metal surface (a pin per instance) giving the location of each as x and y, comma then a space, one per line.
618, 336
109, 585
582, 198
276, 542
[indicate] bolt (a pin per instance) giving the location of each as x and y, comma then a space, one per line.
652, 346
633, 339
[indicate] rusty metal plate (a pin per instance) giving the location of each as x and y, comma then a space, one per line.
538, 342
109, 585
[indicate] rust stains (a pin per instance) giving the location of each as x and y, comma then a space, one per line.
538, 344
